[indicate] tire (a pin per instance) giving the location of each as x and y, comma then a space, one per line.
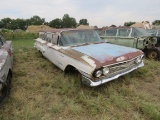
5, 90
153, 54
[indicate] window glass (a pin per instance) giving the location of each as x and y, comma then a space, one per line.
98, 31
111, 32
55, 38
137, 32
102, 33
79, 37
49, 37
123, 32
41, 35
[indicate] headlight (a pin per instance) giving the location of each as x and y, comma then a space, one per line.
105, 71
138, 60
98, 73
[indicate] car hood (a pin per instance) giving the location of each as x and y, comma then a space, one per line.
105, 52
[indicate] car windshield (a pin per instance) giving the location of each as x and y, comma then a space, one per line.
138, 32
154, 32
79, 37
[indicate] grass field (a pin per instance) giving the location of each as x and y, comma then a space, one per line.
40, 91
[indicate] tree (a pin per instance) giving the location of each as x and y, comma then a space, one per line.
156, 22
83, 22
68, 22
18, 23
7, 23
129, 23
56, 23
95, 26
113, 26
21, 24
1, 24
73, 22
36, 20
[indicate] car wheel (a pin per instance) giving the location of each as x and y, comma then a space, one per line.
5, 88
153, 54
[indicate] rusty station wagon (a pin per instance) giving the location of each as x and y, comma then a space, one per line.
6, 61
96, 61
133, 37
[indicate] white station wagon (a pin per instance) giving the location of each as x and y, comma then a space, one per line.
82, 50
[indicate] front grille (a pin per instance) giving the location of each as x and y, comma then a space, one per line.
122, 66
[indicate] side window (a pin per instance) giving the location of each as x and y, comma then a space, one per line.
134, 34
60, 42
102, 33
123, 32
42, 35
48, 37
111, 32
55, 38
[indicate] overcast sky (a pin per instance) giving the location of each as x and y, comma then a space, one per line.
97, 12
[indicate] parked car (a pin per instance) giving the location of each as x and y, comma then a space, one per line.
133, 37
6, 61
82, 50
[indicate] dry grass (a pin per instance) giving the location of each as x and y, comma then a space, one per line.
40, 91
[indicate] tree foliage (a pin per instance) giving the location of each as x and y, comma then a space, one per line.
129, 23
65, 22
113, 26
36, 20
68, 22
18, 23
156, 22
56, 23
6, 22
83, 22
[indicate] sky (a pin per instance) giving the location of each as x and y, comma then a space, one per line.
98, 12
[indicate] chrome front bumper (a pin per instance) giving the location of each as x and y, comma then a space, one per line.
92, 83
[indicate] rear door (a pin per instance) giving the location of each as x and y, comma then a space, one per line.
51, 48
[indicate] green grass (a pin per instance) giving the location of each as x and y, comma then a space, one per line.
41, 91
